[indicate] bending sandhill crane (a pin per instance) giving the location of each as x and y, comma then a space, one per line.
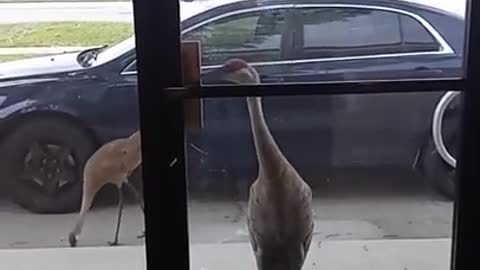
112, 163
280, 214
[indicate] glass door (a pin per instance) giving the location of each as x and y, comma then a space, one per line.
330, 137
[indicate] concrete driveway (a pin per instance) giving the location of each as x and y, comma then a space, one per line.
408, 254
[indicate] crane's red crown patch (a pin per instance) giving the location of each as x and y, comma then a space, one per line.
235, 64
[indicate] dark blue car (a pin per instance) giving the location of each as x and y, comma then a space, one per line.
55, 111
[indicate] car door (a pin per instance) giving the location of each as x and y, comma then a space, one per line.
118, 114
260, 36
371, 43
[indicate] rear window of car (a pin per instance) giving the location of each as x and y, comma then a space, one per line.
131, 67
414, 33
343, 32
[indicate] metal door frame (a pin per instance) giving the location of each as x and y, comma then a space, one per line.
161, 95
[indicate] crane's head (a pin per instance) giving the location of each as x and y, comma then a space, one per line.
235, 71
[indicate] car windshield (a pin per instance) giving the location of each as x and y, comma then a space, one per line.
100, 55
103, 54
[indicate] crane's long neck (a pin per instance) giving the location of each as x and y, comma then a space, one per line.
270, 158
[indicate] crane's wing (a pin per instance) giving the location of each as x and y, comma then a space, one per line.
253, 236
250, 220
308, 219
307, 242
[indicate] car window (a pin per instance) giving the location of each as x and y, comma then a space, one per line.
343, 32
255, 37
131, 68
416, 37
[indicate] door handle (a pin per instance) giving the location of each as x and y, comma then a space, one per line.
428, 70
271, 79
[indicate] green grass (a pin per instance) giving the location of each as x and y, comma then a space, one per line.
63, 34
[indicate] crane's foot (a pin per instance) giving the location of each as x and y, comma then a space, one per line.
141, 235
114, 243
72, 239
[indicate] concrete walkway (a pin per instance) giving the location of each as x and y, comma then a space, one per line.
331, 255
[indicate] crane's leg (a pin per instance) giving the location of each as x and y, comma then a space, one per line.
137, 195
139, 199
90, 189
120, 208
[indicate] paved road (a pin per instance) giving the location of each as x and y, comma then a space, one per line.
362, 208
81, 11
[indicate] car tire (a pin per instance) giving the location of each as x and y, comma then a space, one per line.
43, 133
440, 175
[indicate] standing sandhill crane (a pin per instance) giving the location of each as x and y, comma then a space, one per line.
280, 214
112, 163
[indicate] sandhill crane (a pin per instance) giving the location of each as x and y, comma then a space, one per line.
112, 163
280, 216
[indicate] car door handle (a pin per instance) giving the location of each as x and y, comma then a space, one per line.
429, 70
270, 79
